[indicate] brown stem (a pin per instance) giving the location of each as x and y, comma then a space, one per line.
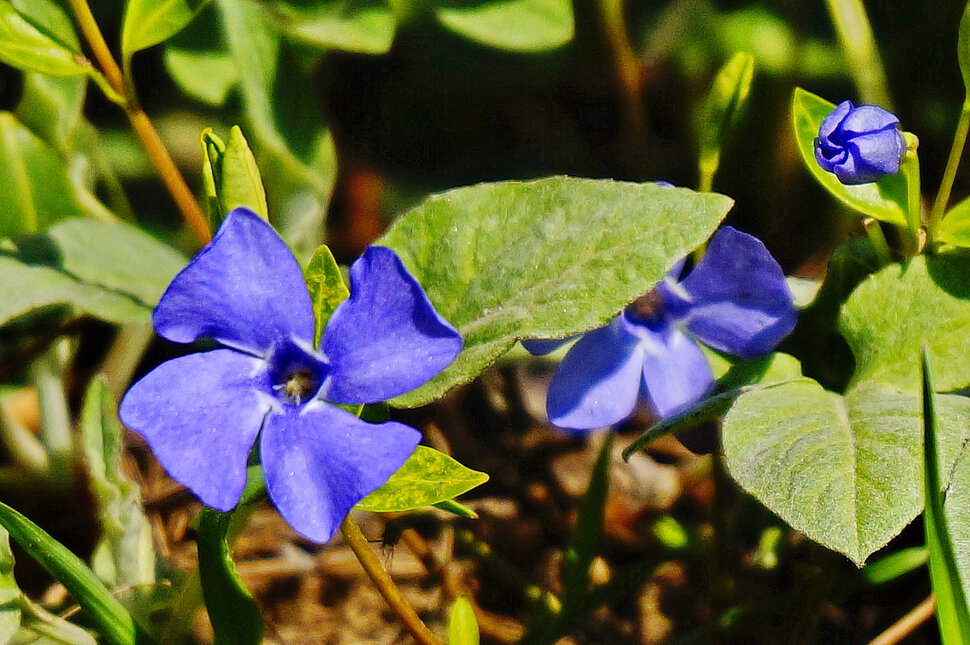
140, 123
385, 585
907, 624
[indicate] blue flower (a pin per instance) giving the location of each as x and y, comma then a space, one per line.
859, 144
735, 300
202, 413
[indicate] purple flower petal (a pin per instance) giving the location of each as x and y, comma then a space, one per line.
244, 289
878, 153
320, 461
598, 382
867, 118
834, 119
676, 373
387, 338
201, 414
741, 303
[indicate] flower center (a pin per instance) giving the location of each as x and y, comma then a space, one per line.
295, 373
647, 308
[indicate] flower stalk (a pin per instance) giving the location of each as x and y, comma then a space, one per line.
952, 164
385, 584
165, 166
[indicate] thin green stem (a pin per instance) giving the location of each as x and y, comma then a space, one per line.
952, 164
626, 66
878, 241
385, 585
909, 167
859, 45
165, 166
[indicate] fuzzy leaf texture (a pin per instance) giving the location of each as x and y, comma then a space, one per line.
542, 259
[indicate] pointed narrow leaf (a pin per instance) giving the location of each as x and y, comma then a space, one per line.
952, 613
125, 555
213, 149
426, 478
100, 607
963, 47
241, 183
149, 22
462, 626
515, 25
723, 106
542, 259
233, 612
885, 200
24, 46
327, 288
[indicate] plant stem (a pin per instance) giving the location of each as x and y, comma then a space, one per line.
909, 168
859, 45
626, 66
878, 241
141, 124
946, 184
907, 624
385, 585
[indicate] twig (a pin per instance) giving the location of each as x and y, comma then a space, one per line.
141, 124
385, 585
907, 624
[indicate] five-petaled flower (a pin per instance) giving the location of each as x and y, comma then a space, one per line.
859, 144
202, 413
735, 300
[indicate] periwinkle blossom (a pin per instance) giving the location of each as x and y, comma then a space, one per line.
735, 300
202, 413
859, 144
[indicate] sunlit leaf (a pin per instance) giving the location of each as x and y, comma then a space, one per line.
27, 47
365, 26
327, 288
516, 25
426, 478
149, 22
462, 626
542, 259
844, 470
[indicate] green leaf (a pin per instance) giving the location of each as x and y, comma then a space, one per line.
327, 289
955, 227
364, 26
149, 22
40, 627
514, 25
844, 470
542, 259
426, 478
50, 18
894, 565
885, 200
9, 591
125, 555
462, 626
929, 300
107, 615
198, 61
234, 614
29, 47
109, 270
33, 180
51, 106
230, 175
723, 106
241, 183
957, 509
952, 613
963, 48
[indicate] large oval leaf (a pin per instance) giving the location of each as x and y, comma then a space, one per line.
365, 26
426, 478
542, 259
890, 313
884, 200
846, 471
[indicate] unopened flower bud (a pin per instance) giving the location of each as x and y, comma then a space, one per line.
859, 144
